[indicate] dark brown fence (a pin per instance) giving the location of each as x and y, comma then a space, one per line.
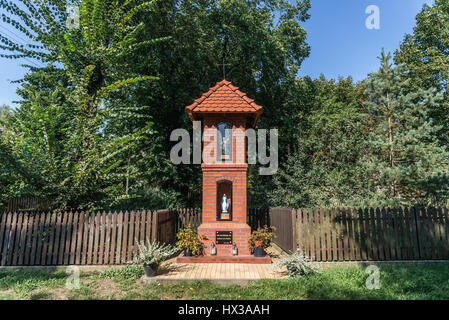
258, 218
28, 239
371, 234
187, 217
255, 218
284, 221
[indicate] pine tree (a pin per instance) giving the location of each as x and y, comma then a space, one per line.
405, 162
425, 56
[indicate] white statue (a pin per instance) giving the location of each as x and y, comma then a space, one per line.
225, 202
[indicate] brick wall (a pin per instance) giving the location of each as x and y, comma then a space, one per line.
234, 170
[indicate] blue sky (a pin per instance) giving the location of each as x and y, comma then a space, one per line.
341, 44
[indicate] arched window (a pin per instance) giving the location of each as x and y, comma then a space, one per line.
224, 134
224, 200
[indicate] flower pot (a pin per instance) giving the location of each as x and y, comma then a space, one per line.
188, 253
259, 252
150, 270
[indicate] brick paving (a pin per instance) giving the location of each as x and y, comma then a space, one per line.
222, 273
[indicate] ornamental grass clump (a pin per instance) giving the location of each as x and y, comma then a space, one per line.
298, 264
152, 253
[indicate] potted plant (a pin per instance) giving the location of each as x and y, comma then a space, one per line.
260, 239
190, 242
152, 254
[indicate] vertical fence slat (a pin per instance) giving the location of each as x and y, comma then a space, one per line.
380, 235
74, 233
64, 223
50, 236
345, 226
409, 234
16, 238
68, 238
84, 255
143, 220
120, 223
328, 228
96, 238
322, 236
149, 225
352, 247
374, 238
102, 236
57, 238
334, 234
312, 233
131, 236
446, 233
357, 243
22, 240
436, 222
136, 232
125, 238
35, 239
40, 239
113, 238
4, 230
362, 233
401, 225
79, 238
45, 238
29, 239
108, 238
90, 248
422, 222
367, 230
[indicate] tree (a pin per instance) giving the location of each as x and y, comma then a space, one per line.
262, 44
405, 162
425, 55
323, 168
81, 163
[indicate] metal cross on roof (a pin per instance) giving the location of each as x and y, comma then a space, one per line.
224, 67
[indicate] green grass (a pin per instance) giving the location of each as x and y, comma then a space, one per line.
406, 281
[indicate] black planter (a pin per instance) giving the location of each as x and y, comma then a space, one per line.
150, 270
188, 253
259, 252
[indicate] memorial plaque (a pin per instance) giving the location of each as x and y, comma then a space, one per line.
223, 237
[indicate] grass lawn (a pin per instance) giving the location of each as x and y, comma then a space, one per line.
411, 281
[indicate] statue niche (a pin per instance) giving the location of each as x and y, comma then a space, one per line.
224, 149
224, 201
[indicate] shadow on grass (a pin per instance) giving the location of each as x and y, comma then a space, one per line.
401, 282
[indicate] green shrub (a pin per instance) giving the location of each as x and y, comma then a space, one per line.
152, 253
298, 264
188, 239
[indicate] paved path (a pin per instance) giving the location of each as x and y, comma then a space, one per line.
223, 273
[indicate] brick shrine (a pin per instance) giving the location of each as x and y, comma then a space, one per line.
225, 113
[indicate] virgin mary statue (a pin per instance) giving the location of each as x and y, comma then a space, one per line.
225, 204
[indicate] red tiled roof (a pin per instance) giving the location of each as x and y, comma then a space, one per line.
224, 97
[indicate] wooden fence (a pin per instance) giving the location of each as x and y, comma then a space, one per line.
284, 221
366, 234
28, 239
258, 217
